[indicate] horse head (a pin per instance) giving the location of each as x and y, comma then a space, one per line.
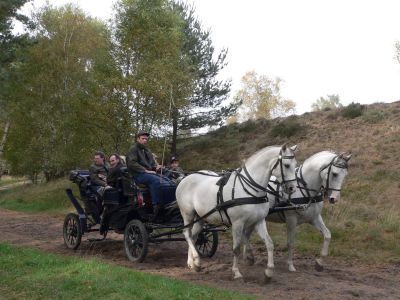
333, 176
284, 168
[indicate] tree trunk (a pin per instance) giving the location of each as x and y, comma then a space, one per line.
2, 144
174, 131
4, 138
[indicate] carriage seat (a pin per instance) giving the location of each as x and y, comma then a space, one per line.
81, 178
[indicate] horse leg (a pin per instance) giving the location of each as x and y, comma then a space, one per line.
193, 261
237, 233
291, 232
247, 249
262, 231
196, 229
320, 225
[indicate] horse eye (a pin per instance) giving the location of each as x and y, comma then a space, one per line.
287, 166
334, 174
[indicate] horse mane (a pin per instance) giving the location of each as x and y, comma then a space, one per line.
319, 154
261, 152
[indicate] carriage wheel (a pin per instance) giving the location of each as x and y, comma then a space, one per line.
72, 231
207, 243
136, 240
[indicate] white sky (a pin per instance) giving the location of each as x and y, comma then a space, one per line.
318, 47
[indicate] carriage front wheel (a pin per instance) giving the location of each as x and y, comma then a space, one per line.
72, 231
207, 243
136, 240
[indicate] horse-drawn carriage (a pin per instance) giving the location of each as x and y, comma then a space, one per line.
129, 211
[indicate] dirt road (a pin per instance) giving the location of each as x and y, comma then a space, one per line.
339, 280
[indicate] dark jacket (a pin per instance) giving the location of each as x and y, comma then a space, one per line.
114, 175
98, 175
139, 159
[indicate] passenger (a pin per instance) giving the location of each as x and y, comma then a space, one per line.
142, 166
116, 163
174, 171
98, 173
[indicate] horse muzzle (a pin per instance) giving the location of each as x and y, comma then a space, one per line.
289, 188
333, 196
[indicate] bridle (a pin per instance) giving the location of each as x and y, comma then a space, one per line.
334, 163
302, 185
279, 161
249, 181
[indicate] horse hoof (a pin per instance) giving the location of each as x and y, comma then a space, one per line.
268, 275
292, 269
197, 268
238, 278
318, 266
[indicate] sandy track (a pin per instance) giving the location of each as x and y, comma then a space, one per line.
339, 280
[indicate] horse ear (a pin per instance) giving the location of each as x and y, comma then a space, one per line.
284, 146
293, 148
347, 157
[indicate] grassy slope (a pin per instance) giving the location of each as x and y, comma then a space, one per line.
45, 197
368, 214
31, 274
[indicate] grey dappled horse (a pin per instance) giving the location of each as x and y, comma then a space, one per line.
321, 175
197, 199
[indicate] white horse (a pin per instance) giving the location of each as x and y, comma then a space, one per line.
320, 175
197, 199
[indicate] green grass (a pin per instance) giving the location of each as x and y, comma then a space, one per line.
6, 180
32, 274
47, 197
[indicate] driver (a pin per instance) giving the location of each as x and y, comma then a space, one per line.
142, 166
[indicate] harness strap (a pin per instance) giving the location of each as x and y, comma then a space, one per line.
220, 204
307, 200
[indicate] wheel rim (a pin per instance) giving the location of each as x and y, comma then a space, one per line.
134, 241
72, 231
204, 243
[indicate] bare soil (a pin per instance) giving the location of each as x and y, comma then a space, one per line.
340, 279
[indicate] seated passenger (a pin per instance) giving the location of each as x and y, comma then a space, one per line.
174, 171
98, 173
142, 166
114, 174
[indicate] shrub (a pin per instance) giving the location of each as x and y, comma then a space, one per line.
374, 116
287, 128
353, 110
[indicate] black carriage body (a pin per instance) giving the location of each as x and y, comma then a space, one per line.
131, 213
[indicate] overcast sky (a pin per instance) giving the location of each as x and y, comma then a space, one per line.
318, 47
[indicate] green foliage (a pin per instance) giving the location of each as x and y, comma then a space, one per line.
353, 110
325, 104
373, 116
64, 104
287, 128
260, 97
47, 276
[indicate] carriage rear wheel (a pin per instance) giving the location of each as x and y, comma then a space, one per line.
136, 240
72, 231
207, 243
